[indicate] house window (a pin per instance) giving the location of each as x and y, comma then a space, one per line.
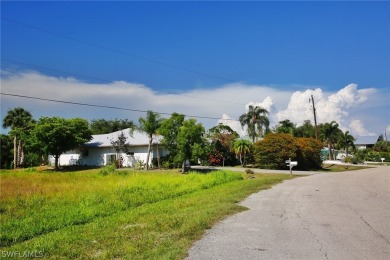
130, 153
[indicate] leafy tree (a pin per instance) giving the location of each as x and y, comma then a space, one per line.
286, 127
6, 157
103, 126
169, 129
241, 148
274, 150
256, 120
223, 133
19, 120
120, 146
221, 145
328, 134
381, 145
150, 126
58, 135
305, 130
190, 139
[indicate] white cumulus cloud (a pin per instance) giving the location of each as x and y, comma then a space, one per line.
357, 129
350, 107
329, 107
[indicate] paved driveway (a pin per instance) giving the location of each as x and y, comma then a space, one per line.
324, 216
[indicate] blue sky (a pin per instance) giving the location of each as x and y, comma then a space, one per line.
202, 47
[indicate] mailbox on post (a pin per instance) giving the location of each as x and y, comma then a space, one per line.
291, 164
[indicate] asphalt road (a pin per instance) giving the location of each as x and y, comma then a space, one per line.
322, 216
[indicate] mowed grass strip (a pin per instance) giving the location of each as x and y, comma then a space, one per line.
135, 216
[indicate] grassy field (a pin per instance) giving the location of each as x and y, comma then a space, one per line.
126, 214
341, 168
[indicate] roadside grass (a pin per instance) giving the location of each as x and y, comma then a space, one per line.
134, 215
341, 168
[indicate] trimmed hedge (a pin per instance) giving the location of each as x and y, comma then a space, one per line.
275, 149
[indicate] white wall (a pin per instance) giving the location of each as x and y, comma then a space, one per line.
100, 156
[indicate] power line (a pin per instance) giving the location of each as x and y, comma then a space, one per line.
104, 106
108, 81
117, 51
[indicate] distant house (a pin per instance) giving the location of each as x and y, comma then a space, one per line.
364, 142
99, 151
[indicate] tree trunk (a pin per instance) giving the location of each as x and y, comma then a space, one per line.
329, 151
56, 157
185, 166
20, 153
148, 155
158, 158
15, 153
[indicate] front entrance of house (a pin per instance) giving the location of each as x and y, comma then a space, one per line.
110, 159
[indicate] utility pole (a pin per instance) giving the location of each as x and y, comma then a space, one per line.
315, 116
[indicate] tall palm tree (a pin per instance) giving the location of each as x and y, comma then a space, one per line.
18, 119
241, 148
150, 126
256, 119
347, 141
328, 134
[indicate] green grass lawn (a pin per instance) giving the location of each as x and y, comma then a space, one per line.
126, 214
341, 168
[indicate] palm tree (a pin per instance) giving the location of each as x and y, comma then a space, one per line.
241, 148
18, 119
328, 134
150, 126
347, 141
255, 119
286, 127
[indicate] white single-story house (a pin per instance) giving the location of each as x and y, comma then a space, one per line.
99, 151
364, 142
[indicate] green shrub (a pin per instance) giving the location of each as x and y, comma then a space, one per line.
249, 171
308, 153
105, 170
139, 164
349, 159
274, 150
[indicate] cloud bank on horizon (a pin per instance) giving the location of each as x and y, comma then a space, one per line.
349, 106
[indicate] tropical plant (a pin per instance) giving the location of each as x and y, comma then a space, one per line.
19, 120
274, 150
103, 126
328, 134
6, 156
169, 130
256, 120
286, 127
190, 141
381, 146
241, 148
305, 130
346, 141
57, 135
120, 145
309, 153
221, 139
149, 125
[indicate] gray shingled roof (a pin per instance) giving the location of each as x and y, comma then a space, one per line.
136, 139
366, 140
